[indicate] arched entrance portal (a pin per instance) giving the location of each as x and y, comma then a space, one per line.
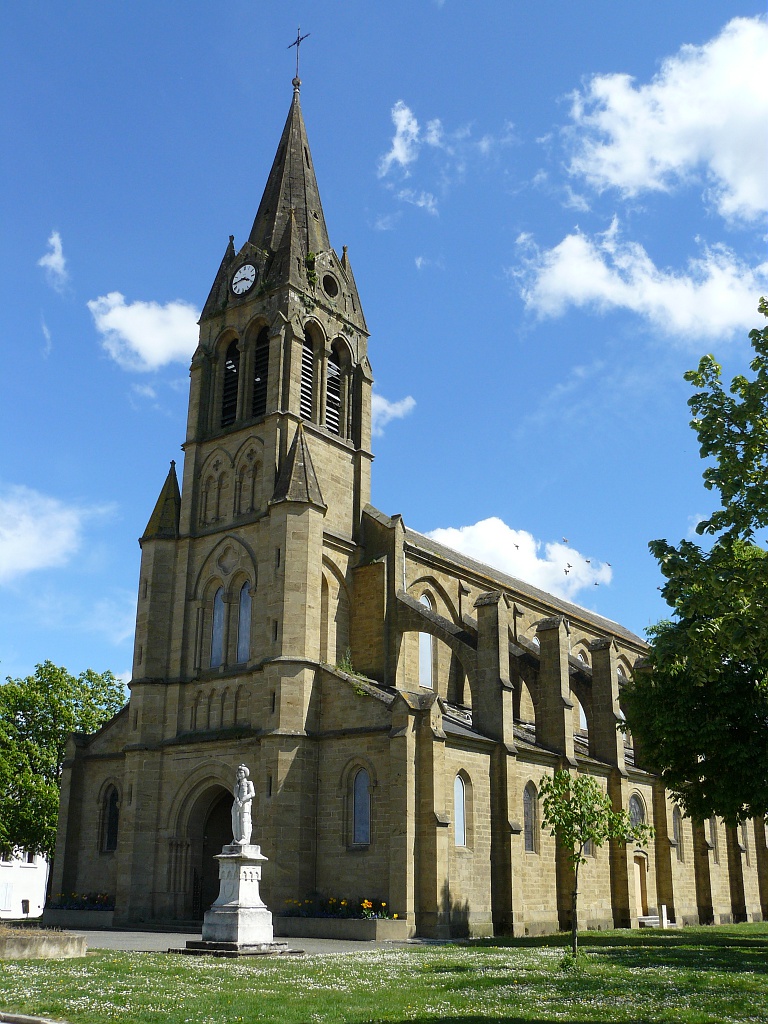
209, 829
641, 886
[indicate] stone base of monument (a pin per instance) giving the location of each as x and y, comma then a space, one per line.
238, 923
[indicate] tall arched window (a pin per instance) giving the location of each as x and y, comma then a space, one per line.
426, 651
677, 832
229, 389
361, 808
530, 809
459, 812
110, 820
636, 810
306, 398
260, 373
745, 842
217, 629
244, 625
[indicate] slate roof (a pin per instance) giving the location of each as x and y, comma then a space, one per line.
503, 581
291, 186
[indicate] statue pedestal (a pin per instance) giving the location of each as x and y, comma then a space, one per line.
238, 923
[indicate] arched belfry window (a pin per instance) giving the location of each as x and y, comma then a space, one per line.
307, 393
260, 374
244, 625
333, 394
110, 820
530, 814
361, 808
217, 629
229, 389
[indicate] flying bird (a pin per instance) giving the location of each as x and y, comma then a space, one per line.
565, 540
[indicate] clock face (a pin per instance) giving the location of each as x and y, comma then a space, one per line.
244, 279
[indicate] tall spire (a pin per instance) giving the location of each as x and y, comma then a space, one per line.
291, 186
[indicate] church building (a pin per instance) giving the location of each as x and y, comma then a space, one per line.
397, 703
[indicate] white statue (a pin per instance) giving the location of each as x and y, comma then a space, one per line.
244, 793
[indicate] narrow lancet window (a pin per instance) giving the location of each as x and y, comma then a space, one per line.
307, 380
361, 812
244, 625
459, 812
111, 820
677, 832
229, 390
425, 651
529, 817
217, 629
260, 374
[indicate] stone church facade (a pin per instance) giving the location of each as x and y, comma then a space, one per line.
397, 703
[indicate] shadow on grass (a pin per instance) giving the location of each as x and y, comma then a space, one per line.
694, 949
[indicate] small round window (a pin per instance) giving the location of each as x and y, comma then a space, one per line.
330, 286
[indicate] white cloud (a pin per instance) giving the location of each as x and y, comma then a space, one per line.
424, 261
113, 616
519, 554
144, 336
714, 297
383, 411
424, 200
404, 144
54, 263
705, 112
36, 531
47, 335
454, 148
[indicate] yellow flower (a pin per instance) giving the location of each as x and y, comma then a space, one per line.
383, 903
395, 916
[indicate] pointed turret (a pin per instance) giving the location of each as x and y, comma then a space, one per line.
298, 480
164, 522
291, 186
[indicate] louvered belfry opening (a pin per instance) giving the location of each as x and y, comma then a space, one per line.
229, 391
260, 374
307, 379
333, 394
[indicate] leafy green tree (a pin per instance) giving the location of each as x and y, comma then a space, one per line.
578, 812
37, 714
699, 714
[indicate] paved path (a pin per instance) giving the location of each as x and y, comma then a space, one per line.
150, 942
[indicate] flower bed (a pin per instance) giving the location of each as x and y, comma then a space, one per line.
338, 907
336, 917
79, 910
350, 928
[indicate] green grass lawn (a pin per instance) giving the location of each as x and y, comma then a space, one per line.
696, 975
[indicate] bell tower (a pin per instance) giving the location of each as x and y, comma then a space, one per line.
277, 449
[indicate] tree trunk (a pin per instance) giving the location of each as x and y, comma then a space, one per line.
574, 920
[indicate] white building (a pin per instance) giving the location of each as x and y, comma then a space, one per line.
23, 880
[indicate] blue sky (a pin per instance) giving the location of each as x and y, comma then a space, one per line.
552, 211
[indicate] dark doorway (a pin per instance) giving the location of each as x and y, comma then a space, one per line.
210, 828
217, 832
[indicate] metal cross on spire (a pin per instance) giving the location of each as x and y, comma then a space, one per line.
297, 43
